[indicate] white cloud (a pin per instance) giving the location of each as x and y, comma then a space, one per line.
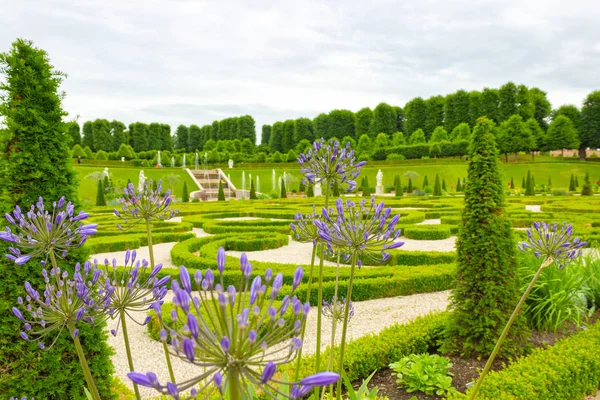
188, 61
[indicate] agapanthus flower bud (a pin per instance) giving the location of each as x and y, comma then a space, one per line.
145, 205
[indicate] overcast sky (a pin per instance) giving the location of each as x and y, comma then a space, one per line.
191, 61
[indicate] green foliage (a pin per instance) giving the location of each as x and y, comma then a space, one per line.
283, 193
181, 137
567, 370
457, 109
287, 140
425, 373
537, 134
398, 139
586, 189
487, 286
35, 158
384, 120
221, 194
435, 114
252, 190
410, 188
561, 134
382, 141
425, 182
439, 135
490, 104
559, 295
74, 132
435, 150
417, 137
364, 116
102, 138
514, 136
310, 191
276, 138
341, 123
529, 185
185, 196
507, 101
416, 115
101, 155
426, 232
437, 188
265, 134
589, 132
77, 151
371, 352
366, 190
398, 187
364, 144
125, 151
304, 131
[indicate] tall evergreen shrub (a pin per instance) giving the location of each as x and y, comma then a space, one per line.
586, 189
487, 286
221, 194
185, 196
437, 187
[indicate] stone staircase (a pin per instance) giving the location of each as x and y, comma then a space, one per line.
208, 183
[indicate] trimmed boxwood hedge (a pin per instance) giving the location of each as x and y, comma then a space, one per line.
133, 241
568, 370
427, 232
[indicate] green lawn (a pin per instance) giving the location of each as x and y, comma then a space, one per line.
542, 170
88, 186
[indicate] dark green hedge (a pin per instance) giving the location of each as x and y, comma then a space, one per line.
568, 370
133, 241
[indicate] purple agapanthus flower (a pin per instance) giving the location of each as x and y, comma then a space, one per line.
553, 242
304, 229
40, 231
330, 163
136, 288
145, 205
241, 329
362, 230
64, 302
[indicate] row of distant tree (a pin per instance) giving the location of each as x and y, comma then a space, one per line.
103, 135
528, 110
524, 118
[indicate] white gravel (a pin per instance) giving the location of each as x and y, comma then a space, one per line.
369, 317
294, 252
535, 209
435, 221
444, 245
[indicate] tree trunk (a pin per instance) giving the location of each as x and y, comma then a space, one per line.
582, 153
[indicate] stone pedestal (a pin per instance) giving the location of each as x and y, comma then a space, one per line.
317, 190
379, 190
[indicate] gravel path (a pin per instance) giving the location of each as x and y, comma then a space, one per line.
535, 209
294, 252
436, 221
444, 245
369, 317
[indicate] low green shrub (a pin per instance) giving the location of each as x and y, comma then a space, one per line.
427, 232
376, 351
425, 373
132, 241
568, 370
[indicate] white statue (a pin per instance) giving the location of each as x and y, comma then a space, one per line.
230, 163
105, 173
141, 181
379, 178
379, 190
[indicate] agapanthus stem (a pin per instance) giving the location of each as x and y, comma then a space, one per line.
128, 350
489, 362
334, 320
320, 297
151, 253
234, 384
84, 365
345, 326
308, 290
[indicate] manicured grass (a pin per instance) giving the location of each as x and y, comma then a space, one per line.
560, 172
88, 187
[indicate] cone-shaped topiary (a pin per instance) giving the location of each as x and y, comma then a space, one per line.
100, 200
302, 187
283, 193
221, 195
437, 187
336, 190
524, 184
512, 183
487, 283
572, 187
398, 187
366, 189
458, 186
410, 188
530, 186
444, 184
586, 189
549, 181
576, 181
425, 182
185, 196
310, 191
252, 190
